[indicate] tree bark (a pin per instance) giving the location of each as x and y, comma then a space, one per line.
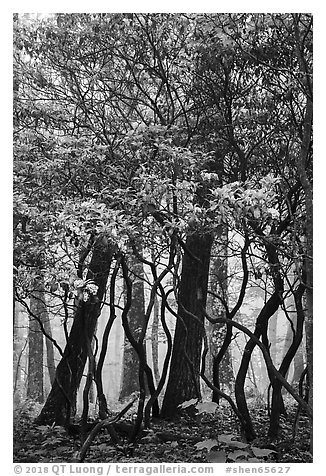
183, 382
136, 315
154, 340
49, 351
298, 366
302, 164
48, 343
19, 346
277, 400
62, 397
102, 403
268, 310
222, 372
35, 387
261, 329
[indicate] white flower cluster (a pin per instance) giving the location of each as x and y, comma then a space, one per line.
91, 288
85, 289
79, 283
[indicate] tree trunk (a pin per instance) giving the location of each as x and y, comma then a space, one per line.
35, 390
298, 360
62, 397
302, 164
272, 337
155, 330
222, 372
308, 265
268, 310
261, 329
273, 345
277, 400
136, 315
298, 366
102, 403
49, 344
19, 346
183, 382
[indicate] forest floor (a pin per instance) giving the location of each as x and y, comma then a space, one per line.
197, 439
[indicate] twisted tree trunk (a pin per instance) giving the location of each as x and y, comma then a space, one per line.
69, 372
284, 367
183, 382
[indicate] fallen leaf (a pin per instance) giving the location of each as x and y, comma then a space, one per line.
227, 439
209, 407
261, 452
237, 454
188, 403
206, 444
216, 457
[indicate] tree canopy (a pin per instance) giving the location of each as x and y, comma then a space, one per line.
149, 138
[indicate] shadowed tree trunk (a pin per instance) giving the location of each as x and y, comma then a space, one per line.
183, 382
307, 187
62, 397
155, 330
273, 346
268, 310
49, 350
261, 328
304, 168
222, 372
136, 315
272, 337
284, 367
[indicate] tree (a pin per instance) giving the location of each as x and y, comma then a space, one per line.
61, 400
222, 372
262, 55
35, 386
155, 340
183, 383
302, 26
129, 376
154, 132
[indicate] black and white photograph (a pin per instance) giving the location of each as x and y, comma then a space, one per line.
162, 241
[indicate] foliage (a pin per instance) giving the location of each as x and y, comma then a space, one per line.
142, 130
52, 444
97, 153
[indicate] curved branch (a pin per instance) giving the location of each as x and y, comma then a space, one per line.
268, 360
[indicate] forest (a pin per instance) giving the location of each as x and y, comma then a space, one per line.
163, 237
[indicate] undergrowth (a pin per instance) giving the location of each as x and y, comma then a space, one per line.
208, 437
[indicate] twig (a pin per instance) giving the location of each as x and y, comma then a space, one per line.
101, 424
